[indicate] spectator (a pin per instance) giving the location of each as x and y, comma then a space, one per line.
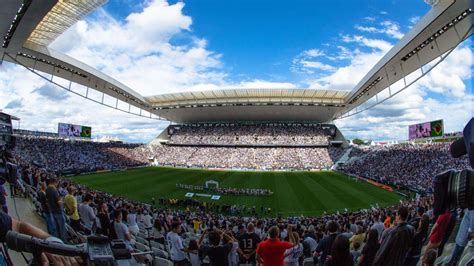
177, 253
416, 220
438, 231
464, 233
355, 252
271, 252
87, 214
395, 246
293, 255
70, 205
132, 221
325, 245
193, 253
340, 254
419, 239
218, 254
357, 238
104, 220
370, 249
44, 206
55, 207
121, 230
248, 243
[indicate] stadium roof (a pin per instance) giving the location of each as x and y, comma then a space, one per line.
28, 27
249, 96
249, 104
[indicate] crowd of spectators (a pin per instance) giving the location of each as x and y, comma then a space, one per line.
246, 158
57, 154
408, 165
332, 239
391, 235
86, 156
264, 134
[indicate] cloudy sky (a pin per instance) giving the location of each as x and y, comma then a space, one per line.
159, 46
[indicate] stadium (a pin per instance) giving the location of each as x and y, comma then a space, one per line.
231, 167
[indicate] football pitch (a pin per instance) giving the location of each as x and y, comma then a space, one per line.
295, 193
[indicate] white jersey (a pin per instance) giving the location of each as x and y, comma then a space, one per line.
233, 258
176, 246
293, 254
194, 259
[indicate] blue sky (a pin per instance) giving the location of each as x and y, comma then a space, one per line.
259, 39
159, 46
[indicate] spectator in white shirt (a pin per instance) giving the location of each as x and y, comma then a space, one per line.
86, 212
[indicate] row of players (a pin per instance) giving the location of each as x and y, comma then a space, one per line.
229, 190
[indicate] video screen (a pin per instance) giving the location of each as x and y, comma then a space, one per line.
426, 130
70, 130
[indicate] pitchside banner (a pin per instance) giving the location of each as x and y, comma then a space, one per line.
426, 130
70, 130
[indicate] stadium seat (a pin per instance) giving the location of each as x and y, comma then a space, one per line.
155, 244
141, 240
308, 262
160, 253
142, 235
141, 247
162, 262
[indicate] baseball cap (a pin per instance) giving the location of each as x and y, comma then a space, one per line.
465, 145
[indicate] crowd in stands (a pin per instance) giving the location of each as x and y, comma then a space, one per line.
195, 233
264, 134
62, 155
392, 235
408, 165
229, 190
246, 158
87, 156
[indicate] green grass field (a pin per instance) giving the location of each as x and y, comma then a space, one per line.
295, 193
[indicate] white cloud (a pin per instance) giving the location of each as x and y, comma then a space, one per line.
138, 52
414, 20
367, 29
317, 65
377, 44
388, 27
441, 94
392, 29
449, 76
258, 84
308, 61
313, 53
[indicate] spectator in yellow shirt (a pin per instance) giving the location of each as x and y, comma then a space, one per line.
196, 224
359, 237
70, 204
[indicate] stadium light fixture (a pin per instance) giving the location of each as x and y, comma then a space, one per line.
48, 62
16, 20
438, 33
370, 86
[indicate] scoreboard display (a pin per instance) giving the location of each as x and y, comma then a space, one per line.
70, 130
431, 129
